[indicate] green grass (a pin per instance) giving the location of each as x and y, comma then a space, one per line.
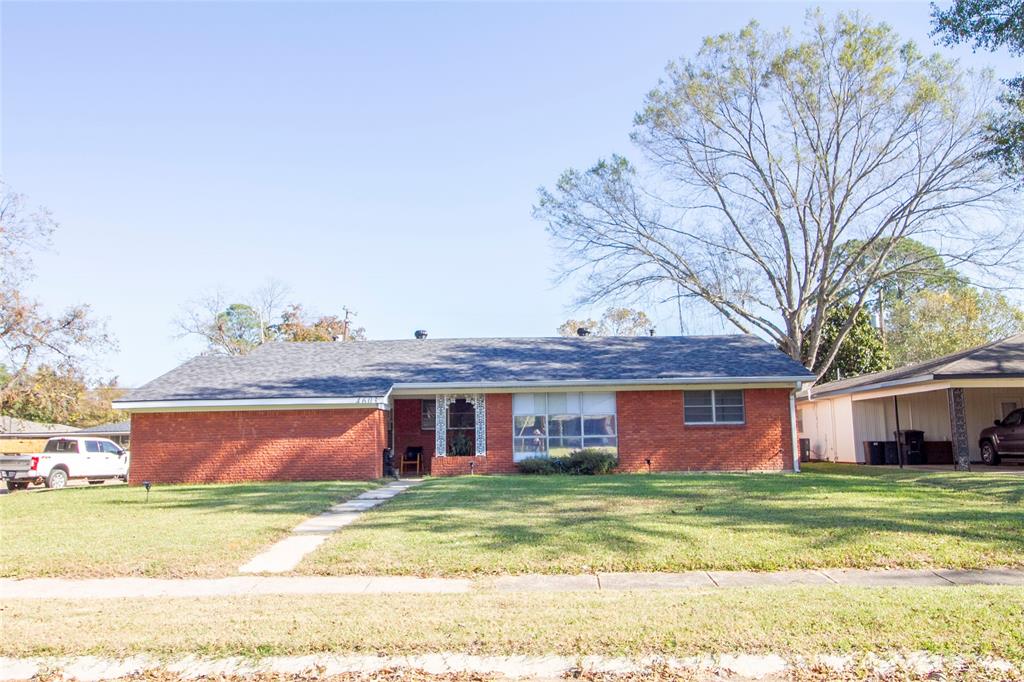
828, 516
201, 530
785, 621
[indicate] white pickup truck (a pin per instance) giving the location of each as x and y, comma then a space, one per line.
94, 459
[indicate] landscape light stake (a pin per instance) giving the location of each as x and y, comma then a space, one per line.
146, 485
648, 461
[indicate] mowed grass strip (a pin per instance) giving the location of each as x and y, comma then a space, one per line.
194, 530
828, 516
976, 620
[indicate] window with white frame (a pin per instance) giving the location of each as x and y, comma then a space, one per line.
713, 407
555, 424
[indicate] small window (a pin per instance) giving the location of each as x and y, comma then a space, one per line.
92, 446
108, 447
713, 407
428, 415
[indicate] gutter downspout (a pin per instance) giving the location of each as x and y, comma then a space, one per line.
792, 429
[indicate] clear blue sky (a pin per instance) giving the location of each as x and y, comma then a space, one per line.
384, 157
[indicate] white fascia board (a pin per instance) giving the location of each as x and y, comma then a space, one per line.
378, 402
595, 384
812, 394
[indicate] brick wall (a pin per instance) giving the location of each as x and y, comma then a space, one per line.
651, 426
281, 445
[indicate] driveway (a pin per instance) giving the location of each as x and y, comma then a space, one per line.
74, 483
1007, 467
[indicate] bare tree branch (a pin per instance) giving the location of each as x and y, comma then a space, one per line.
770, 157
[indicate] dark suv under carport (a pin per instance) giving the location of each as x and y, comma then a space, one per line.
1005, 438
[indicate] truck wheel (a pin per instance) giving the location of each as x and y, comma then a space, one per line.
16, 485
57, 479
988, 454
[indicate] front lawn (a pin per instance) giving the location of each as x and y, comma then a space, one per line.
952, 621
195, 530
829, 516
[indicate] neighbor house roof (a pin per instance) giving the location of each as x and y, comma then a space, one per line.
23, 428
370, 369
1001, 359
110, 428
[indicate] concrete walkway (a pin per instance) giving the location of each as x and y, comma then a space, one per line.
285, 555
108, 588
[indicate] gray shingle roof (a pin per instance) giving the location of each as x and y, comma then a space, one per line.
113, 428
371, 368
1000, 359
17, 426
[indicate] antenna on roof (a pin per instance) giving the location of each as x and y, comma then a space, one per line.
651, 331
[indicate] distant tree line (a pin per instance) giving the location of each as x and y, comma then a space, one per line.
237, 326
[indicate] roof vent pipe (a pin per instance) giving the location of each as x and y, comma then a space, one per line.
582, 331
651, 331
420, 334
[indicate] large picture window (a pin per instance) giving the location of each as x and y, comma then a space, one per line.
555, 424
713, 407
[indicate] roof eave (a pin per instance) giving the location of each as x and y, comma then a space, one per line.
812, 393
187, 404
594, 383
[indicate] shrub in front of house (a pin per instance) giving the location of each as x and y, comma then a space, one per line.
590, 462
586, 462
541, 466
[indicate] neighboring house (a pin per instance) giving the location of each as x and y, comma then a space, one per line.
119, 432
22, 435
308, 411
951, 399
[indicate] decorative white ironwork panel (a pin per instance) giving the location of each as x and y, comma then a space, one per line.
440, 425
480, 408
479, 403
958, 428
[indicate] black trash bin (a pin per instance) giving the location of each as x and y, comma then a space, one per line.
913, 445
892, 455
875, 450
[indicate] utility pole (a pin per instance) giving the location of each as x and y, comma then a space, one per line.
344, 323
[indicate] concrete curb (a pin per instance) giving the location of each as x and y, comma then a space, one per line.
734, 666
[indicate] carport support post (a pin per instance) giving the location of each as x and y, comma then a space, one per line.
958, 429
899, 437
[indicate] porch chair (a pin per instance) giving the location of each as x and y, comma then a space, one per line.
413, 457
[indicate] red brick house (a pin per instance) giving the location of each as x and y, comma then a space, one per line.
313, 411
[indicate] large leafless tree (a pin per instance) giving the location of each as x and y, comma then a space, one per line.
29, 334
780, 171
